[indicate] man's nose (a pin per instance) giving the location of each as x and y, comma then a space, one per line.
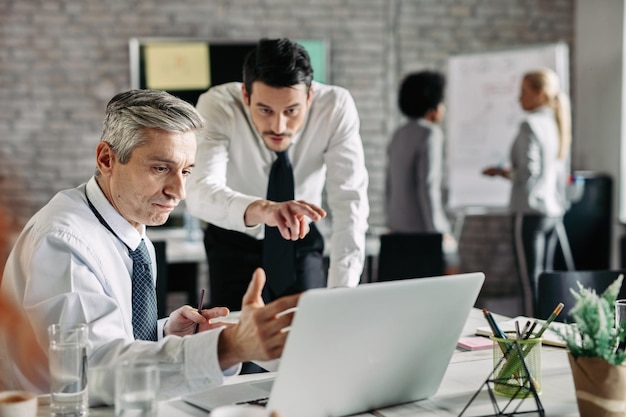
176, 186
279, 123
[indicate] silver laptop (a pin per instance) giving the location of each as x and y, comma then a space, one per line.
356, 349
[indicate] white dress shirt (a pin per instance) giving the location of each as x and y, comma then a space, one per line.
66, 267
538, 175
233, 164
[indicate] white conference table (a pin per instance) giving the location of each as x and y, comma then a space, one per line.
465, 375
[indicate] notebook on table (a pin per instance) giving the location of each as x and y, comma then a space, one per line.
549, 337
351, 350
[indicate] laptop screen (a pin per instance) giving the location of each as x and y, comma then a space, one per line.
355, 349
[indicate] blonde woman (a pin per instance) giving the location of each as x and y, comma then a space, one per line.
538, 172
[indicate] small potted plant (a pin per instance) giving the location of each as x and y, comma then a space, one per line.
595, 359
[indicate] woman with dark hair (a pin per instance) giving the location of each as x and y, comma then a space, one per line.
415, 159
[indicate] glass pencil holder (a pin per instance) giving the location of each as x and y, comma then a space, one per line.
510, 377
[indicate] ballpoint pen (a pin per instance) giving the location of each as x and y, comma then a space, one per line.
497, 331
525, 329
530, 331
200, 303
518, 332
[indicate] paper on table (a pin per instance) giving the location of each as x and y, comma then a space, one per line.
549, 337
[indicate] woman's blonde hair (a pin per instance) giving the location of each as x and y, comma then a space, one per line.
546, 80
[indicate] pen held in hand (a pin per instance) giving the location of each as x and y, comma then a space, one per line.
200, 304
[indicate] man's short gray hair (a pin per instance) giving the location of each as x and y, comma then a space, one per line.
128, 115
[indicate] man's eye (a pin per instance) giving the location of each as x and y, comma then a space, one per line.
160, 169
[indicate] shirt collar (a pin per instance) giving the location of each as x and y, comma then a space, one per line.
120, 226
425, 122
542, 109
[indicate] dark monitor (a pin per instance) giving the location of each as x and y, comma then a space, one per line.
187, 67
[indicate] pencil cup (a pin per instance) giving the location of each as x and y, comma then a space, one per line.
136, 387
511, 378
68, 369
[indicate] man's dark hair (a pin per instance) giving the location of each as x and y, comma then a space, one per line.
421, 92
277, 63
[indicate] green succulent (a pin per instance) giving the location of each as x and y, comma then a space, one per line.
593, 333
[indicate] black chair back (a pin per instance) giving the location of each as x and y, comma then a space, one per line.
554, 287
161, 284
410, 255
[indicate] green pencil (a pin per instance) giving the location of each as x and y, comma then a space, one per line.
545, 326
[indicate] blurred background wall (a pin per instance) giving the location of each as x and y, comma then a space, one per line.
62, 60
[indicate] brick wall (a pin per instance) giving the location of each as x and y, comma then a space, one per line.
61, 60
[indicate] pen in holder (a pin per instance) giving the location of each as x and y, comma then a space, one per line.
510, 374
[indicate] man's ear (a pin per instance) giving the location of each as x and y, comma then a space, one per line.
309, 97
244, 93
105, 158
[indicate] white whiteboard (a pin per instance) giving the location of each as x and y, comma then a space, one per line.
484, 115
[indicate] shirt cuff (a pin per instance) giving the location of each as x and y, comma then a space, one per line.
233, 370
160, 328
202, 367
343, 277
237, 211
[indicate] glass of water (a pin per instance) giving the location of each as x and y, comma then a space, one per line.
136, 387
68, 369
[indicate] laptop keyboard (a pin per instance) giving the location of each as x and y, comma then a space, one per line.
259, 401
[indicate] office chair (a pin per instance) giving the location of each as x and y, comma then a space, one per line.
410, 255
554, 287
161, 284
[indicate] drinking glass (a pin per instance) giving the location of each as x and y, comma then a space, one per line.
68, 369
136, 387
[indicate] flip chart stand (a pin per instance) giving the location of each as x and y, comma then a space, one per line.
510, 408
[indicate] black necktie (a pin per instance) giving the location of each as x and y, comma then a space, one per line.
279, 255
144, 295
